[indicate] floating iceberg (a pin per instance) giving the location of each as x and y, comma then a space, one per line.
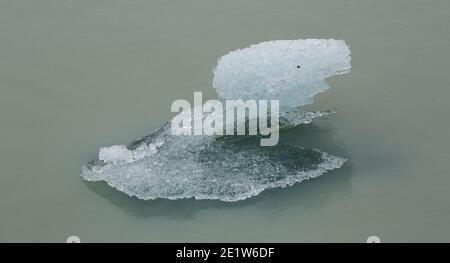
232, 168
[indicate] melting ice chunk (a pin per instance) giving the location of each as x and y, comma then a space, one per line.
162, 165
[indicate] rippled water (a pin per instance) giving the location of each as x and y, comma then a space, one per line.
78, 75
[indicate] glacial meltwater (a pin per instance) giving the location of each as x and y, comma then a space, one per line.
77, 76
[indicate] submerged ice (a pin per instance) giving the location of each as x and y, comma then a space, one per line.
232, 168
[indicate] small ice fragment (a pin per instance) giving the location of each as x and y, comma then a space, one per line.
115, 154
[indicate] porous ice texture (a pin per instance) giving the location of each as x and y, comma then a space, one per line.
232, 168
292, 71
209, 168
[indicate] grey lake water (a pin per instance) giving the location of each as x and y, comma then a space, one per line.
77, 75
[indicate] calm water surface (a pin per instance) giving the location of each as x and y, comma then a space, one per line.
77, 75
